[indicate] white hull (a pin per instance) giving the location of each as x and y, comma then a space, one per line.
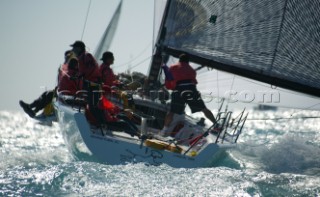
119, 148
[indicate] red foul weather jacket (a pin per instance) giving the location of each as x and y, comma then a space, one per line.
180, 71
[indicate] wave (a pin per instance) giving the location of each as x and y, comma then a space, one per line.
272, 159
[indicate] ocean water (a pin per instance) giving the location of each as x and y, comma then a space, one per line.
273, 158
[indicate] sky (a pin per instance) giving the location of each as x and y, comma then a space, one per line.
35, 34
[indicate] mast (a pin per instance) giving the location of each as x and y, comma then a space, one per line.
156, 61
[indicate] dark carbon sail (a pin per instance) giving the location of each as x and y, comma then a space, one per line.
276, 42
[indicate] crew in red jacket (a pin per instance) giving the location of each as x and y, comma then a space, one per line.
178, 73
69, 82
183, 83
88, 66
64, 67
107, 75
89, 71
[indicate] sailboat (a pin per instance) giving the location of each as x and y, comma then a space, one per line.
268, 41
108, 34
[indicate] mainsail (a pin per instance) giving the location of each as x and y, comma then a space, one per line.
107, 36
276, 42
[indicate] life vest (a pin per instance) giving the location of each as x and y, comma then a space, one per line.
121, 98
181, 71
88, 67
67, 85
110, 110
124, 99
109, 115
48, 110
107, 75
63, 68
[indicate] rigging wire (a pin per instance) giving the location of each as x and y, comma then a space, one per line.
85, 22
144, 50
139, 63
